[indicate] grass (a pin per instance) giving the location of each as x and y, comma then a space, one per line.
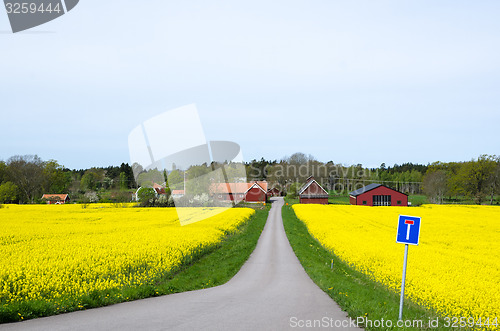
212, 269
335, 199
464, 200
338, 199
417, 199
355, 292
420, 199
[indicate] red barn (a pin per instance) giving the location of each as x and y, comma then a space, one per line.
250, 192
378, 195
56, 199
256, 193
312, 192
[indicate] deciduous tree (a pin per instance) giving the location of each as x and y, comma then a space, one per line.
56, 180
473, 178
146, 196
8, 192
26, 171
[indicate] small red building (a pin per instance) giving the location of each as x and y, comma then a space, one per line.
378, 195
274, 192
312, 192
56, 199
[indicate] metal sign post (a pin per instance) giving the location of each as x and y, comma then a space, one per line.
403, 284
408, 234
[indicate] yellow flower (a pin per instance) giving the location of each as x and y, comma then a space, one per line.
67, 251
454, 270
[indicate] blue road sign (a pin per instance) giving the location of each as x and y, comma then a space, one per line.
408, 230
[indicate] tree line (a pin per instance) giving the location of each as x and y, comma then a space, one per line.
478, 179
25, 178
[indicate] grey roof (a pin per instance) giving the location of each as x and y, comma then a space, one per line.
364, 189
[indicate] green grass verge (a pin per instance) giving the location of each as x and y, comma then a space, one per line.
355, 292
338, 199
214, 268
417, 200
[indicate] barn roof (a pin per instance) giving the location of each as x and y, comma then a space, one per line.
55, 196
369, 187
236, 188
159, 188
257, 185
309, 183
262, 184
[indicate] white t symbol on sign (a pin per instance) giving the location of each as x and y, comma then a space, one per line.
410, 223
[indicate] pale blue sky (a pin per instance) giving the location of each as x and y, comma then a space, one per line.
349, 81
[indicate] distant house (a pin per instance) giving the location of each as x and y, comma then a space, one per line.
56, 199
249, 192
274, 192
378, 195
177, 193
159, 190
312, 192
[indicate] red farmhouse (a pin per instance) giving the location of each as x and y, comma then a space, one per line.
312, 192
56, 199
378, 195
249, 192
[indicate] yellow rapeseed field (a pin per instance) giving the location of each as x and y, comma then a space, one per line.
63, 251
454, 270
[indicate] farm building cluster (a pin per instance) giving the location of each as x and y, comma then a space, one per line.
369, 195
258, 191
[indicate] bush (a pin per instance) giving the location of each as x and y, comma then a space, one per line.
146, 196
164, 201
121, 196
293, 191
90, 197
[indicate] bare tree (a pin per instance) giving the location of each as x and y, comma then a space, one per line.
436, 185
26, 171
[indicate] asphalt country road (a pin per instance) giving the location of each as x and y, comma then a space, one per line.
270, 292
